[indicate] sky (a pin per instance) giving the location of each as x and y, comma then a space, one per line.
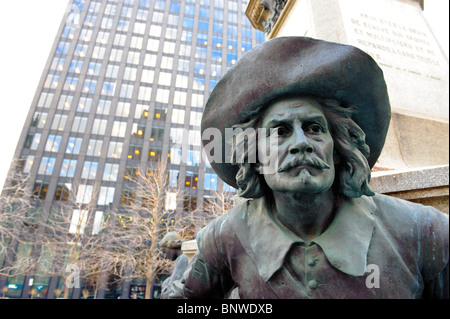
27, 32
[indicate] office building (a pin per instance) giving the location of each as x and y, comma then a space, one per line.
125, 85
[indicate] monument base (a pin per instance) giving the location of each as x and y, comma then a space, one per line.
428, 185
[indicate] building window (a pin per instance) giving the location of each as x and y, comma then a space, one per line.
99, 222
154, 154
85, 35
99, 127
89, 86
193, 158
45, 100
181, 81
176, 135
53, 143
47, 165
76, 66
162, 96
119, 129
110, 173
178, 116
123, 109
62, 47
138, 130
141, 111
68, 168
133, 57
52, 81
195, 119
131, 172
135, 152
116, 55
63, 191
147, 75
94, 148
157, 134
123, 25
79, 124
40, 189
210, 181
127, 198
106, 195
115, 149
84, 194
28, 164
130, 74
160, 113
104, 107
74, 145
65, 102
58, 64
180, 98
173, 177
80, 50
78, 221
71, 83
194, 137
165, 78
98, 52
191, 179
126, 91
59, 122
35, 140
112, 71
144, 93
84, 105
89, 170
175, 155
136, 42
190, 203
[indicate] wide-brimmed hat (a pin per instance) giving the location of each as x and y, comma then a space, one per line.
289, 66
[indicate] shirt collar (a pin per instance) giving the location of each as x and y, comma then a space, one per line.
345, 242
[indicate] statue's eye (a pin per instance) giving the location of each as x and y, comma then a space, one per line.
314, 129
281, 131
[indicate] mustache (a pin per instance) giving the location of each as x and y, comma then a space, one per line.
309, 160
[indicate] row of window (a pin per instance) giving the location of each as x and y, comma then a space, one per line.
106, 193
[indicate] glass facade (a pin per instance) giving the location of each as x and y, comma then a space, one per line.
125, 86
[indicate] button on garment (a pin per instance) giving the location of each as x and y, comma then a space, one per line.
318, 278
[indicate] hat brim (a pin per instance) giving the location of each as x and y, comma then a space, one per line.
299, 66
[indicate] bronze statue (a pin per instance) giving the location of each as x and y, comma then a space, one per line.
312, 228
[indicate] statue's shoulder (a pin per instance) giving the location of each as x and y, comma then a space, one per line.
425, 228
221, 230
407, 209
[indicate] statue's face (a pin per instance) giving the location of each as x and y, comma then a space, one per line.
301, 133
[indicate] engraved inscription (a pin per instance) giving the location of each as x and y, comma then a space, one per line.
378, 36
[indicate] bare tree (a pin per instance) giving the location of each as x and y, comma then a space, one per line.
150, 213
17, 224
74, 239
214, 205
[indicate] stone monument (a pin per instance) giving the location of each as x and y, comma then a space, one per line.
414, 161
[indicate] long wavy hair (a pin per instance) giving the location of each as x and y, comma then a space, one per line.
352, 168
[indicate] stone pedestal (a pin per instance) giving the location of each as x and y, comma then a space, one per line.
397, 36
426, 185
189, 248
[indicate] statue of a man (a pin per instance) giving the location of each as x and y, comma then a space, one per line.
312, 227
